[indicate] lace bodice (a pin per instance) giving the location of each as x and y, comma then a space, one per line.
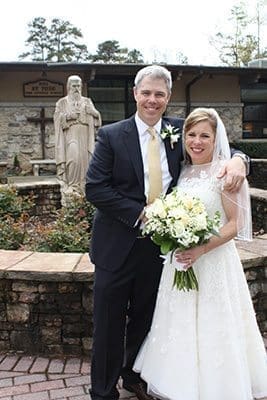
202, 181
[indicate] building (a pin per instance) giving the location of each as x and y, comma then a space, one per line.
29, 91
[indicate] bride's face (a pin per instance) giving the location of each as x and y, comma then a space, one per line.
199, 142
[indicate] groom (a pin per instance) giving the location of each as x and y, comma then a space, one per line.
127, 265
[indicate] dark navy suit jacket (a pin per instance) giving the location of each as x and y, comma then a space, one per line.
115, 185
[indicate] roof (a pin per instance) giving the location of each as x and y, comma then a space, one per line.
129, 69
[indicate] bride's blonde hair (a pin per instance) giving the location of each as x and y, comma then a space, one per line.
198, 115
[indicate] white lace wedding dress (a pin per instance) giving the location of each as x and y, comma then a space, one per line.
205, 345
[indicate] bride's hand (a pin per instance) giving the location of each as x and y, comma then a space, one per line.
188, 257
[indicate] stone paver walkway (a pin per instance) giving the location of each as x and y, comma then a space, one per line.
25, 377
40, 378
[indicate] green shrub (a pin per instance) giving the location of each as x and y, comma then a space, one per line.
13, 218
12, 204
62, 237
13, 232
253, 148
70, 230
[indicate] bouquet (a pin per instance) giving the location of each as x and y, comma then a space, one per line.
180, 221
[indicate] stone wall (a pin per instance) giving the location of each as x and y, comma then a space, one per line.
46, 298
258, 173
230, 113
257, 282
45, 317
45, 302
254, 260
20, 137
259, 209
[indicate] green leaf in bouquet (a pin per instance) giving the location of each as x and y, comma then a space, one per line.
157, 239
166, 246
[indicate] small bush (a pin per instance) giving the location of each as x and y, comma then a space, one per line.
253, 148
13, 232
61, 237
69, 231
12, 204
13, 218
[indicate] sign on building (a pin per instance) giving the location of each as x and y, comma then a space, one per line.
43, 88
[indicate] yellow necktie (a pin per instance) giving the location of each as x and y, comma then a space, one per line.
154, 166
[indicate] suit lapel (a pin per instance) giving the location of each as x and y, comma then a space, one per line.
172, 158
132, 144
172, 154
131, 141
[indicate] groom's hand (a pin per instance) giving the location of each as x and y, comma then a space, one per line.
142, 217
234, 173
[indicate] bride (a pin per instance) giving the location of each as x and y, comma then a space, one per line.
206, 345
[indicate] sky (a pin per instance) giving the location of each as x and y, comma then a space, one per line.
158, 29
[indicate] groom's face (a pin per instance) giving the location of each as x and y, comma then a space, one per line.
152, 97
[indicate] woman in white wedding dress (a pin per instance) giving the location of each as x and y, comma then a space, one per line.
206, 345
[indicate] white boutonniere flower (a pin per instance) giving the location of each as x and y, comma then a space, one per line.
171, 132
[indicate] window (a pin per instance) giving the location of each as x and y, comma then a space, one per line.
254, 97
113, 98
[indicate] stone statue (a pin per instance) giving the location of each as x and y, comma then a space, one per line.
76, 122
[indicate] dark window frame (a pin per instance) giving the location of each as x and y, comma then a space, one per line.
254, 126
127, 102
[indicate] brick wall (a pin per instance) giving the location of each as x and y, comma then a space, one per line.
47, 197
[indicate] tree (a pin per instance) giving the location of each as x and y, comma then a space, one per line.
260, 20
111, 52
241, 45
181, 58
58, 42
38, 40
65, 44
134, 56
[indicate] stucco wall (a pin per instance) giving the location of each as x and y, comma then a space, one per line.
220, 88
12, 84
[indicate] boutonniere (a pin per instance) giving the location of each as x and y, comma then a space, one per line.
171, 132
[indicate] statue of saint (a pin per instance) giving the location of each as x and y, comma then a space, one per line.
76, 122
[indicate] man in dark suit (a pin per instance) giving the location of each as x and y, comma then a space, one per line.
127, 265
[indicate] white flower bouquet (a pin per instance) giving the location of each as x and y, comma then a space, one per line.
179, 221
